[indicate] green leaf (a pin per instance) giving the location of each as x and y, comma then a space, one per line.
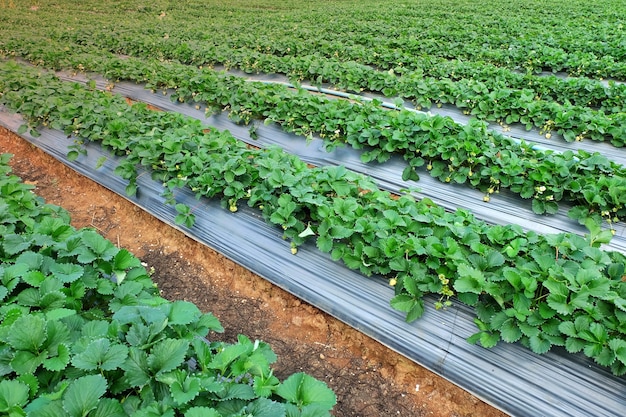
12, 394
494, 259
264, 407
539, 345
185, 391
470, 280
414, 307
27, 333
58, 363
265, 386
83, 395
100, 354
14, 243
66, 272
102, 247
136, 368
124, 260
324, 243
59, 313
34, 278
489, 339
32, 259
167, 355
227, 355
182, 312
619, 349
302, 389
108, 407
202, 412
509, 331
25, 362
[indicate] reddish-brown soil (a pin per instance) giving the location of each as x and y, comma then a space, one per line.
369, 379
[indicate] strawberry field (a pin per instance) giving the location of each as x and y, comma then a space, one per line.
461, 155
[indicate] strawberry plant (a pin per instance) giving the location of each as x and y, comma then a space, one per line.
83, 332
468, 154
525, 287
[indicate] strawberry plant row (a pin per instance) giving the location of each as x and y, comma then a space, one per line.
451, 152
542, 290
577, 109
401, 36
83, 331
360, 75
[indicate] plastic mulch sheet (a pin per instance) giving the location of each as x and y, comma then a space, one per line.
504, 208
509, 376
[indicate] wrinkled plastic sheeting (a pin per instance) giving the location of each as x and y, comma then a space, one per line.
509, 376
503, 208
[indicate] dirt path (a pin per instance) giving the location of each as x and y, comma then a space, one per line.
369, 379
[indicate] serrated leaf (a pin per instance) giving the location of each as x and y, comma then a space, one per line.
12, 394
182, 312
101, 354
222, 359
324, 244
15, 243
403, 302
509, 331
494, 259
34, 278
59, 313
83, 395
108, 407
167, 355
568, 328
264, 407
32, 382
202, 412
25, 362
303, 389
489, 339
264, 387
186, 391
66, 272
539, 345
130, 314
45, 407
124, 260
32, 260
59, 362
606, 357
470, 280
529, 330
27, 333
102, 247
619, 349
136, 369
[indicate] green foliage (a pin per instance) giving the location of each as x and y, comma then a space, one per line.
543, 291
83, 332
498, 269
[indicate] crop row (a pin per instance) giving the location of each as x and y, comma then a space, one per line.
83, 331
576, 108
451, 152
403, 34
552, 290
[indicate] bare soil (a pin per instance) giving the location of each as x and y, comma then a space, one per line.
369, 379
